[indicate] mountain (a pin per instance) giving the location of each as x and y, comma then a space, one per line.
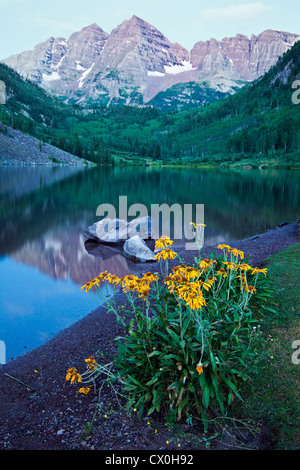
136, 62
258, 125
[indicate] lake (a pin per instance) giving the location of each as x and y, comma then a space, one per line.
44, 211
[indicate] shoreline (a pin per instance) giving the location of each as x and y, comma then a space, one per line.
40, 410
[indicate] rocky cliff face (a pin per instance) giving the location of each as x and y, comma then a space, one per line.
249, 58
136, 62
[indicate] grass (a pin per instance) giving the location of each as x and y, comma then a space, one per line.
274, 392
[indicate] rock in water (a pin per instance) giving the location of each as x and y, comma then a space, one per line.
142, 226
136, 249
106, 230
118, 230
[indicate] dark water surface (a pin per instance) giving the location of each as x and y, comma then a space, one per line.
45, 210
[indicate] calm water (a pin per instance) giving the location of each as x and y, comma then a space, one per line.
44, 212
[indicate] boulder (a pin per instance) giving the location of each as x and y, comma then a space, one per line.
142, 226
136, 249
119, 230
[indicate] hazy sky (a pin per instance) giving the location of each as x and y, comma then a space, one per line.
25, 23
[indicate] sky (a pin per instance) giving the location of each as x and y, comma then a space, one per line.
25, 23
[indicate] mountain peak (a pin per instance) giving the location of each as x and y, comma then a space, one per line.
136, 19
134, 23
92, 27
136, 61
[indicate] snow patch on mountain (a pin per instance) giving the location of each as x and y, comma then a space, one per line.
79, 66
50, 78
175, 69
155, 74
84, 75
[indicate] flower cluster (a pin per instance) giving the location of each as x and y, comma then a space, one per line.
186, 284
139, 285
128, 283
163, 244
91, 363
73, 376
234, 251
243, 268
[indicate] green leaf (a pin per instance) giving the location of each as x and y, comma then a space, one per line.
136, 382
229, 398
154, 353
204, 419
232, 387
182, 405
175, 385
174, 336
213, 362
202, 380
205, 396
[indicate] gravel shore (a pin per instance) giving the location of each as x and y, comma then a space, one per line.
17, 148
41, 411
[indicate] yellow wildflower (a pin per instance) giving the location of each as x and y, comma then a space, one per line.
231, 265
70, 373
87, 286
102, 276
199, 369
179, 268
143, 291
166, 254
95, 281
236, 252
222, 272
129, 282
190, 272
149, 277
206, 263
257, 270
163, 242
183, 291
244, 266
197, 225
211, 280
206, 286
248, 288
76, 378
84, 390
91, 363
195, 302
113, 279
223, 246
73, 375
